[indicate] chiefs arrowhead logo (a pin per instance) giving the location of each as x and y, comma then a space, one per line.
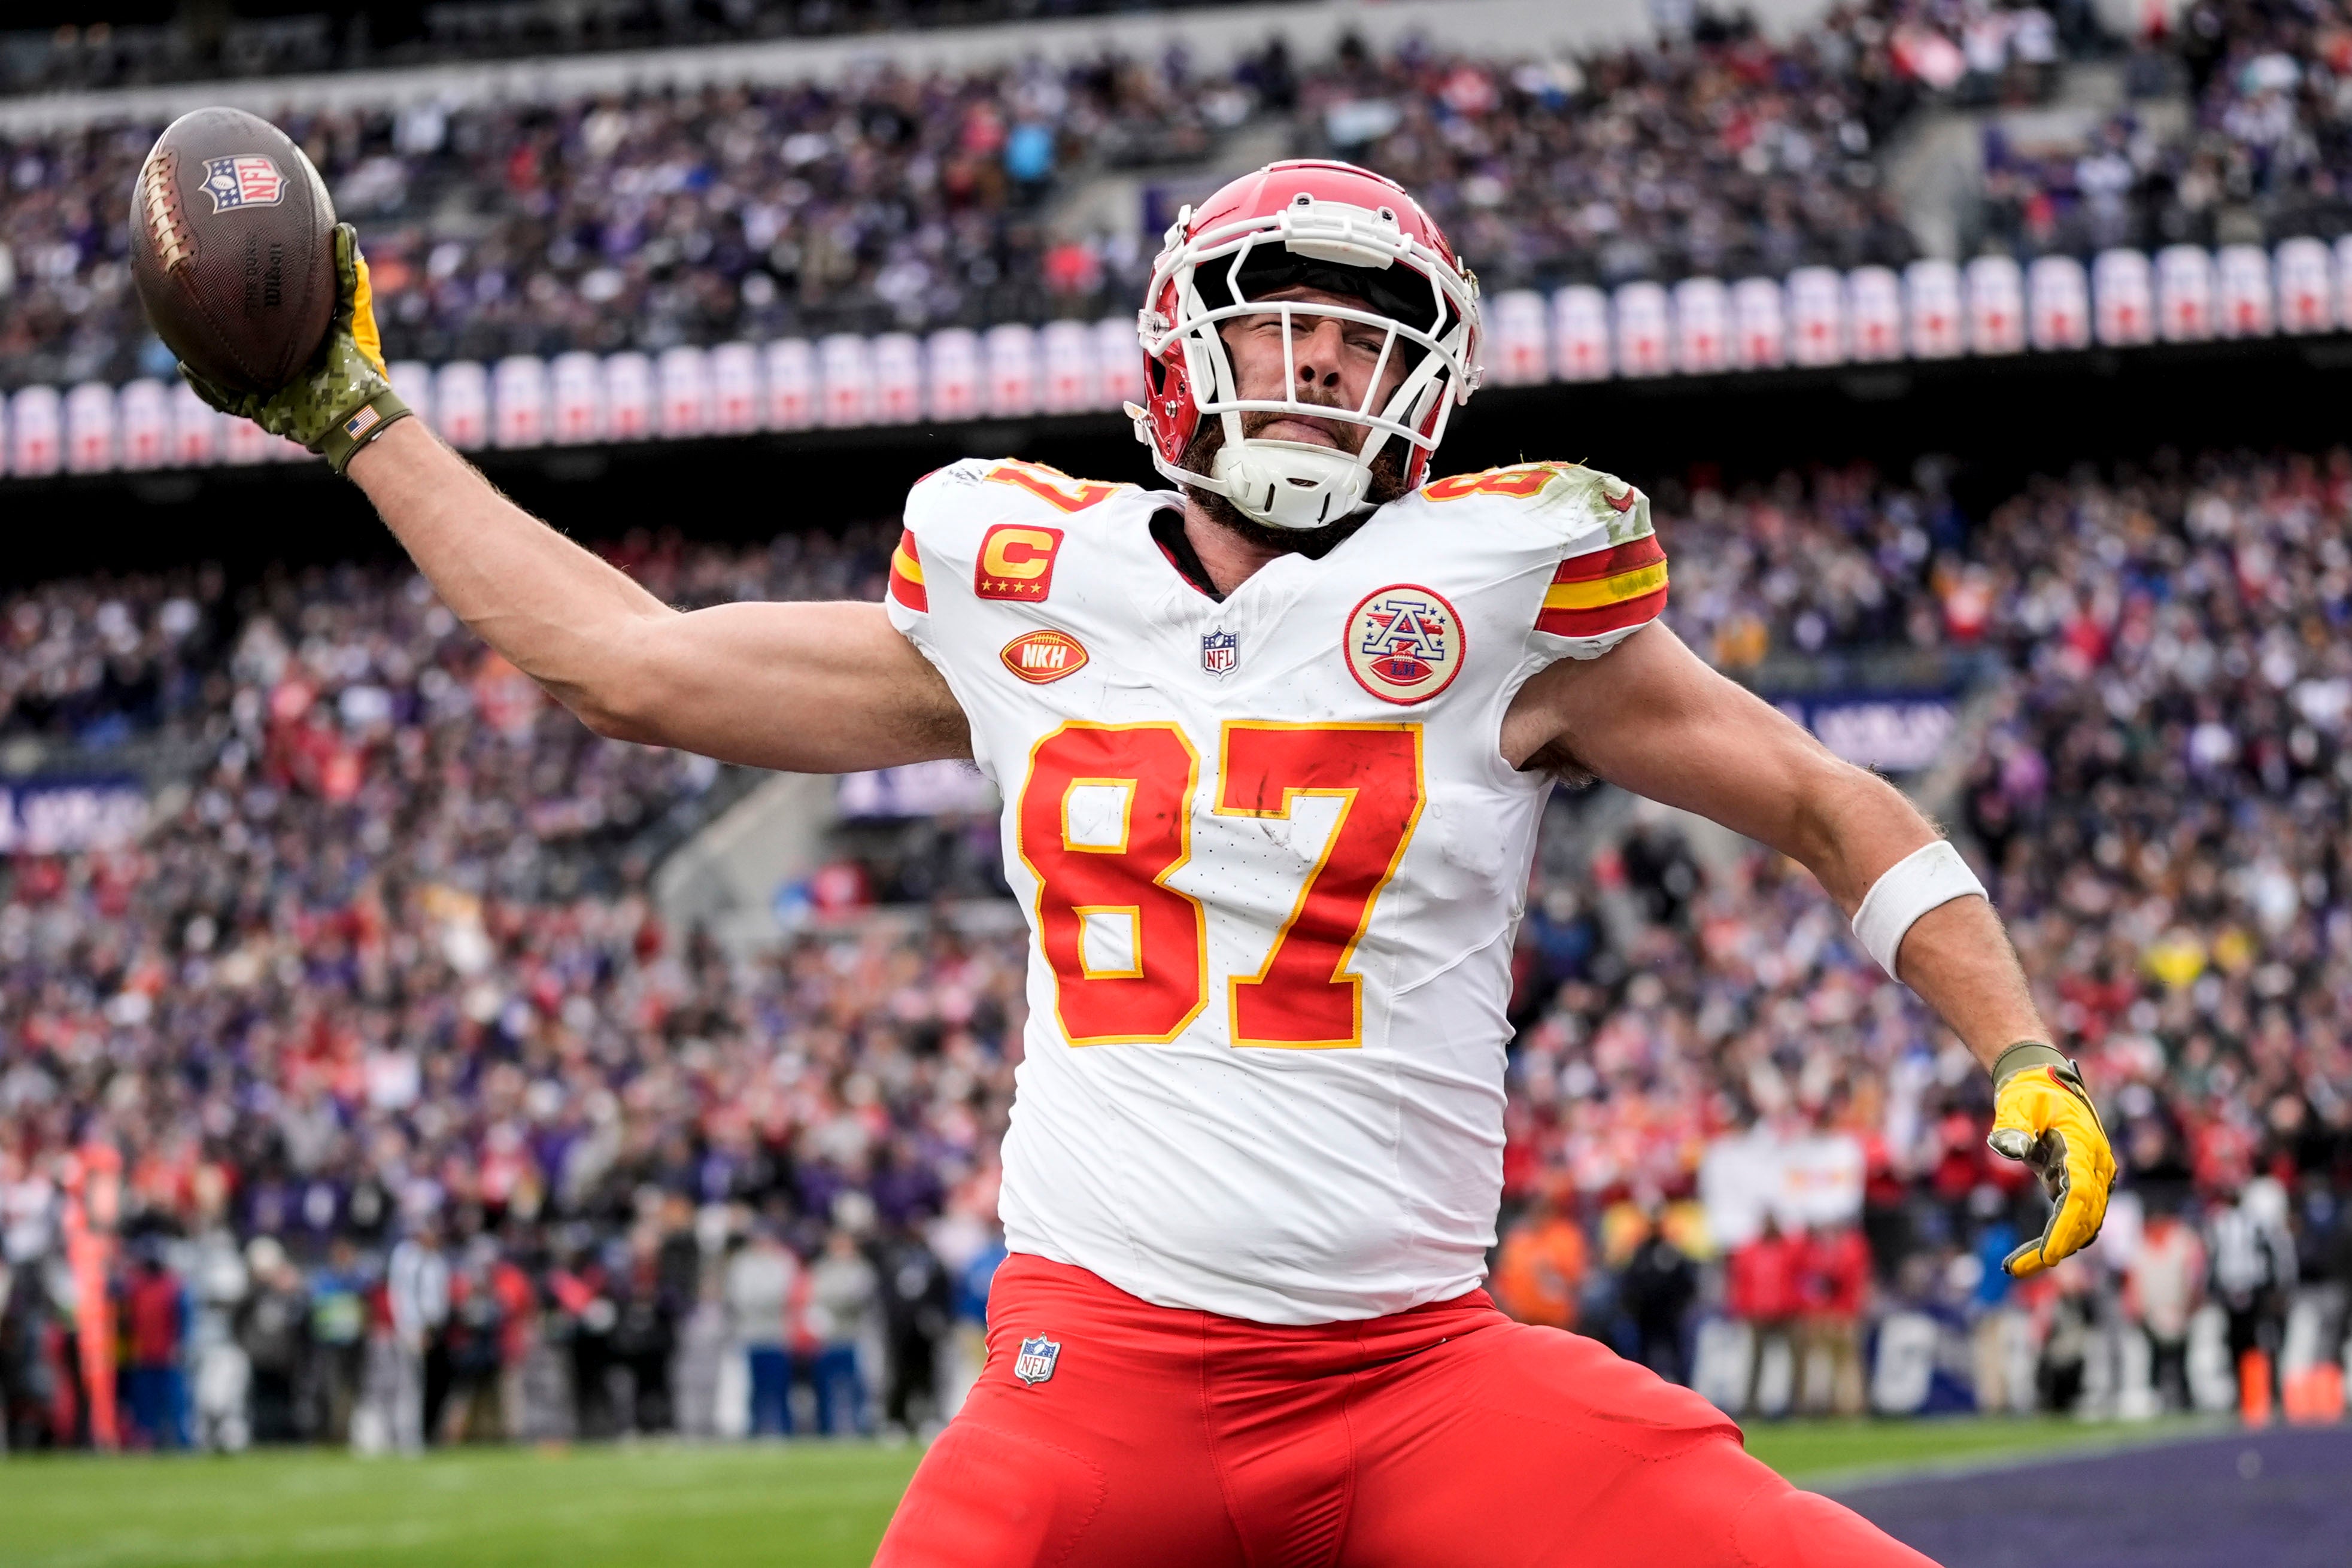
1038, 657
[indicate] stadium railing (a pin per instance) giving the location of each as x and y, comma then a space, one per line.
1816, 316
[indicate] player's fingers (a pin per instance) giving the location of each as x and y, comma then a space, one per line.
365, 333
2028, 1261
216, 397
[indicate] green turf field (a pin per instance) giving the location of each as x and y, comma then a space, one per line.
774, 1506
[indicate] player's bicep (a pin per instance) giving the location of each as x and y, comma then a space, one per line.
1650, 716
803, 687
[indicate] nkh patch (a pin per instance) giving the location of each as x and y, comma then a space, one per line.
247, 179
1036, 1362
1220, 651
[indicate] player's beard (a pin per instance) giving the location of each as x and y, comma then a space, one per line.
1387, 485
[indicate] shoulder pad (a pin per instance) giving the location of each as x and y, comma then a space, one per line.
1579, 505
991, 489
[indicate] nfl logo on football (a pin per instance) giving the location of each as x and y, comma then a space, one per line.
248, 179
1036, 1362
1220, 651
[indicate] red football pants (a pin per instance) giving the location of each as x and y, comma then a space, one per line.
1445, 1434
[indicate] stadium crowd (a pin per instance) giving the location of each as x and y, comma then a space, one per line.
423, 1127
2266, 152
895, 201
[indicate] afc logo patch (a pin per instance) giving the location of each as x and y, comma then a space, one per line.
247, 179
1404, 643
1016, 561
1036, 1362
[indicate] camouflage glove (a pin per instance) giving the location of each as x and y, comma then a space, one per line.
2043, 1116
344, 401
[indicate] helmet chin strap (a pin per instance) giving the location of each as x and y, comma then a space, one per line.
1290, 483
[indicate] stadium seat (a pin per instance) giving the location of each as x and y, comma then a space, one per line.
2184, 294
790, 390
1641, 334
1580, 334
519, 415
245, 444
628, 396
1118, 362
734, 375
1996, 306
1759, 324
143, 414
2306, 298
897, 359
576, 398
1934, 320
413, 383
1702, 326
847, 373
2058, 304
2122, 297
1518, 347
683, 373
1010, 354
1067, 349
2242, 304
34, 436
197, 427
89, 428
1874, 314
1816, 316
461, 400
952, 375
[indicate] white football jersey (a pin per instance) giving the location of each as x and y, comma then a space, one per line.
1272, 862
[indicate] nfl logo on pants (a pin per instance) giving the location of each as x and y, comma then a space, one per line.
1220, 651
1035, 1361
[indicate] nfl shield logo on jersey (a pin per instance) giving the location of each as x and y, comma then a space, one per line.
1220, 651
1036, 1362
247, 179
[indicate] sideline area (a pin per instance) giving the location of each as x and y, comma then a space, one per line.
809, 1505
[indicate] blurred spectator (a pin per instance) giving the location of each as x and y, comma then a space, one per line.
416, 1293
155, 1321
338, 1290
836, 1306
1540, 1273
1764, 1293
2253, 1265
918, 1302
1835, 1288
760, 1280
272, 1327
2162, 1291
1656, 1287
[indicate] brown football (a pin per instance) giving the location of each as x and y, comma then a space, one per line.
232, 248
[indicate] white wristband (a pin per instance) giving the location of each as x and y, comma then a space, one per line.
1927, 878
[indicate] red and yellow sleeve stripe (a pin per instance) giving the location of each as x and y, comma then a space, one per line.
1607, 590
907, 574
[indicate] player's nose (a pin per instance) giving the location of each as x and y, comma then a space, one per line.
1318, 359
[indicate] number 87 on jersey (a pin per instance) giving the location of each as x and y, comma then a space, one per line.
1108, 823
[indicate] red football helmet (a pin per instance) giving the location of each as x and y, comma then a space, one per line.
1331, 227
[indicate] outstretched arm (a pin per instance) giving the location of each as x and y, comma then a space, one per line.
1650, 716
810, 688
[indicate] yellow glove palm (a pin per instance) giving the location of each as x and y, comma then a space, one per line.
2043, 1116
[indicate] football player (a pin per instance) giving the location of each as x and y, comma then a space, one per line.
1273, 746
